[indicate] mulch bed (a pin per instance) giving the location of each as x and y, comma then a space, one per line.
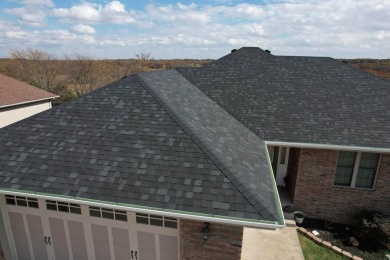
339, 235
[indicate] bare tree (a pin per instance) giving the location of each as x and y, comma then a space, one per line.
82, 73
37, 67
143, 58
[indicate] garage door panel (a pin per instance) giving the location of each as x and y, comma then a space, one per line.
37, 236
58, 237
120, 237
20, 236
168, 247
146, 245
101, 242
77, 240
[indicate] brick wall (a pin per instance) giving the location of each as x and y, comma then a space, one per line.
316, 196
292, 170
224, 243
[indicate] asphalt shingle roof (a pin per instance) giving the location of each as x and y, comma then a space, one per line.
237, 151
299, 99
15, 92
123, 144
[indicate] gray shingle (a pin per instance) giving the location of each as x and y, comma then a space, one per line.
206, 123
299, 99
116, 155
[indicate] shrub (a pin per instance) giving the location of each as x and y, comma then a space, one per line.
373, 231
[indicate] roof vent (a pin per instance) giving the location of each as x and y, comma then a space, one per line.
268, 51
233, 50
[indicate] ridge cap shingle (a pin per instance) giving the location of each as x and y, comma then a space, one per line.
196, 113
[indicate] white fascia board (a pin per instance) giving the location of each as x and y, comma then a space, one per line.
329, 146
156, 211
30, 101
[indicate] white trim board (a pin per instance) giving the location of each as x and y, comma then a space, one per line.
329, 146
30, 101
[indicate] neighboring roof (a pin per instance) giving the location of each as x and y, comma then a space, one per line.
15, 92
299, 99
130, 143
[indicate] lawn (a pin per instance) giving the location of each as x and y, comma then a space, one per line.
313, 251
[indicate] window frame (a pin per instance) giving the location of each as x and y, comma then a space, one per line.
55, 205
151, 217
117, 215
355, 172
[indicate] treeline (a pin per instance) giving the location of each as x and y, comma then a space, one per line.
75, 74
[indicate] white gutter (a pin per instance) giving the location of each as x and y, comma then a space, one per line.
134, 208
275, 187
329, 146
26, 102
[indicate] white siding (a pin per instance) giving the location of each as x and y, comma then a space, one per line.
13, 114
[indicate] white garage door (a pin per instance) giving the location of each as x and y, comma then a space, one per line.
44, 229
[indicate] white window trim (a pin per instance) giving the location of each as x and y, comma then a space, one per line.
355, 172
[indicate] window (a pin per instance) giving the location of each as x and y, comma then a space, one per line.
155, 220
21, 201
356, 169
108, 213
63, 207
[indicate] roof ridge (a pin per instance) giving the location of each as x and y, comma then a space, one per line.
244, 184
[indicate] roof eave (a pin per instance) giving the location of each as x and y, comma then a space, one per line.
150, 210
329, 146
27, 102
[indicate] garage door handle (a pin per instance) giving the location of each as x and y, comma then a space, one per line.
132, 254
46, 240
49, 241
136, 255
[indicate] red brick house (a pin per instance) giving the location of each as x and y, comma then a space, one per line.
326, 125
173, 164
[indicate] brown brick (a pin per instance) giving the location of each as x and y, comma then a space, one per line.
317, 240
315, 195
326, 244
346, 254
336, 249
224, 243
310, 235
302, 230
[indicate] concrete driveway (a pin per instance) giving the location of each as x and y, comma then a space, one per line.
277, 244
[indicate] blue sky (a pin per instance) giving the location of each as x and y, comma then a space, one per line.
196, 29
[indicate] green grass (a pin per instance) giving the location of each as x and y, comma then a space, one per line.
313, 251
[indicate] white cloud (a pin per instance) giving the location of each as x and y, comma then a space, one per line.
112, 12
177, 14
33, 12
28, 15
47, 3
16, 34
81, 28
292, 27
85, 12
48, 37
7, 26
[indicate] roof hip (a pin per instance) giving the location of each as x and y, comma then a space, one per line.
239, 153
